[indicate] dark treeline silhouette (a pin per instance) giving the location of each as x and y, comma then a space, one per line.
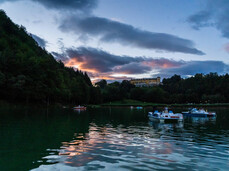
210, 88
29, 73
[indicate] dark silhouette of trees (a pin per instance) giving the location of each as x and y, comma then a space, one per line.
29, 73
101, 84
200, 88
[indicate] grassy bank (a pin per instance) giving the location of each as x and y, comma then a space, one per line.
131, 103
147, 104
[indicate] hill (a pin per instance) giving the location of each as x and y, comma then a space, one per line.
29, 73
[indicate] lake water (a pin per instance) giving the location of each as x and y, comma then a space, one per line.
35, 138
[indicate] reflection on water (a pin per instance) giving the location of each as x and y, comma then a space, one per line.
79, 110
200, 120
152, 146
133, 147
109, 139
166, 127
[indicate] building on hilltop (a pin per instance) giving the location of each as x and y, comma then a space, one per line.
146, 82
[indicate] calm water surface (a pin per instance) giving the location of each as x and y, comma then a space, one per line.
34, 138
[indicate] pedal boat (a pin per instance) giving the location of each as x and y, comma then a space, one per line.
79, 108
199, 113
165, 116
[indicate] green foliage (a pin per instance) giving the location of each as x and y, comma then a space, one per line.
148, 94
29, 73
101, 84
114, 91
210, 88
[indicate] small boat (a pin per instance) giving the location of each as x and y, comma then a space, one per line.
139, 107
199, 113
165, 116
80, 108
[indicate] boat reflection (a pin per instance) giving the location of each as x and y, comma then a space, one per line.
166, 126
79, 110
200, 120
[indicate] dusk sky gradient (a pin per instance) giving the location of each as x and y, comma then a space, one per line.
123, 39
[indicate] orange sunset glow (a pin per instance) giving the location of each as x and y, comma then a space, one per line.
79, 65
118, 73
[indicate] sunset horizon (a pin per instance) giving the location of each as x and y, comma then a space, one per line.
116, 42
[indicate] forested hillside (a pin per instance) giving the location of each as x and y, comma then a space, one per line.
29, 73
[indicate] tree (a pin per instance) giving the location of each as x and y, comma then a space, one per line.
102, 84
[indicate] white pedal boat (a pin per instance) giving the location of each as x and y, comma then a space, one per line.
165, 116
199, 113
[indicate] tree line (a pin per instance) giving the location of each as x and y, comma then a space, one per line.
200, 88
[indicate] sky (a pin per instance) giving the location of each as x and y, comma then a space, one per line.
124, 39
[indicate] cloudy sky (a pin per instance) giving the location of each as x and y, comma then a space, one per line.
121, 39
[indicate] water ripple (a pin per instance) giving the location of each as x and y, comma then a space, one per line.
142, 147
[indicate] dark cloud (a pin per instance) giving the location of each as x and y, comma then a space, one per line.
64, 4
216, 14
192, 67
59, 56
200, 19
133, 68
41, 42
101, 64
95, 59
101, 61
113, 31
68, 4
163, 63
147, 65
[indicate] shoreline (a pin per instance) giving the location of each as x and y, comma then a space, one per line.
124, 103
128, 103
160, 105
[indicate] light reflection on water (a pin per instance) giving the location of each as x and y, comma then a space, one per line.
109, 139
146, 146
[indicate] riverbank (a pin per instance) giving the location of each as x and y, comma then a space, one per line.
123, 103
126, 103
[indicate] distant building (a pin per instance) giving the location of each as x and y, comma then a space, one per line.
146, 82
